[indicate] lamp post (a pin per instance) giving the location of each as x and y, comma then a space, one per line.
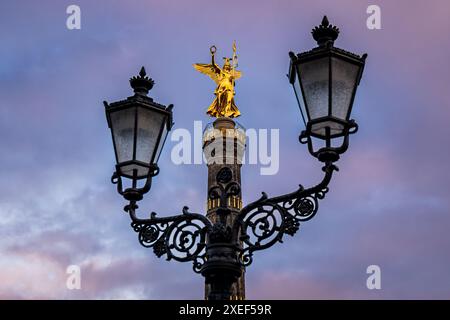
324, 80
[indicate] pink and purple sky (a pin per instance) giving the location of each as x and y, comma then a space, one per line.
388, 205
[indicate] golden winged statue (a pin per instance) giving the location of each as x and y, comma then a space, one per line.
223, 105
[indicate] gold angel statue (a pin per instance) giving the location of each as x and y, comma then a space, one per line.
223, 105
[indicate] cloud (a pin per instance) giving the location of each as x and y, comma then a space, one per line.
388, 204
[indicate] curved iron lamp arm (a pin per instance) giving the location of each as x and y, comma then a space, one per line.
264, 222
181, 238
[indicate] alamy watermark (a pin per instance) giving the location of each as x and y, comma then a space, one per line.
73, 21
73, 281
373, 22
251, 147
374, 280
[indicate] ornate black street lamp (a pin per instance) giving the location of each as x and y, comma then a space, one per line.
139, 128
326, 78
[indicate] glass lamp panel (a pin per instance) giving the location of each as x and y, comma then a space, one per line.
344, 75
319, 128
314, 78
128, 170
148, 128
161, 142
122, 124
298, 96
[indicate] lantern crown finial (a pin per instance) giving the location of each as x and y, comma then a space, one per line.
142, 73
142, 84
325, 33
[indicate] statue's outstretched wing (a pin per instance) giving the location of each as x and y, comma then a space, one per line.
208, 69
237, 74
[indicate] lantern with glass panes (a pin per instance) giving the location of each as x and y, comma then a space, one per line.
139, 128
325, 81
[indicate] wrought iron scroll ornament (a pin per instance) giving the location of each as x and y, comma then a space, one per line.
264, 222
181, 238
259, 225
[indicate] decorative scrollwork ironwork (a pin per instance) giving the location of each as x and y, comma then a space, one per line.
264, 222
259, 225
181, 238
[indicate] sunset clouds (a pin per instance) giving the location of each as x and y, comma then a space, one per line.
388, 205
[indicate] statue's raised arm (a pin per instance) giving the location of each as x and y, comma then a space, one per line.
216, 68
211, 70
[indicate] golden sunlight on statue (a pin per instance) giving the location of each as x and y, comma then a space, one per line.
223, 105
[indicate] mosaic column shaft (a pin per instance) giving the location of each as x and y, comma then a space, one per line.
224, 146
